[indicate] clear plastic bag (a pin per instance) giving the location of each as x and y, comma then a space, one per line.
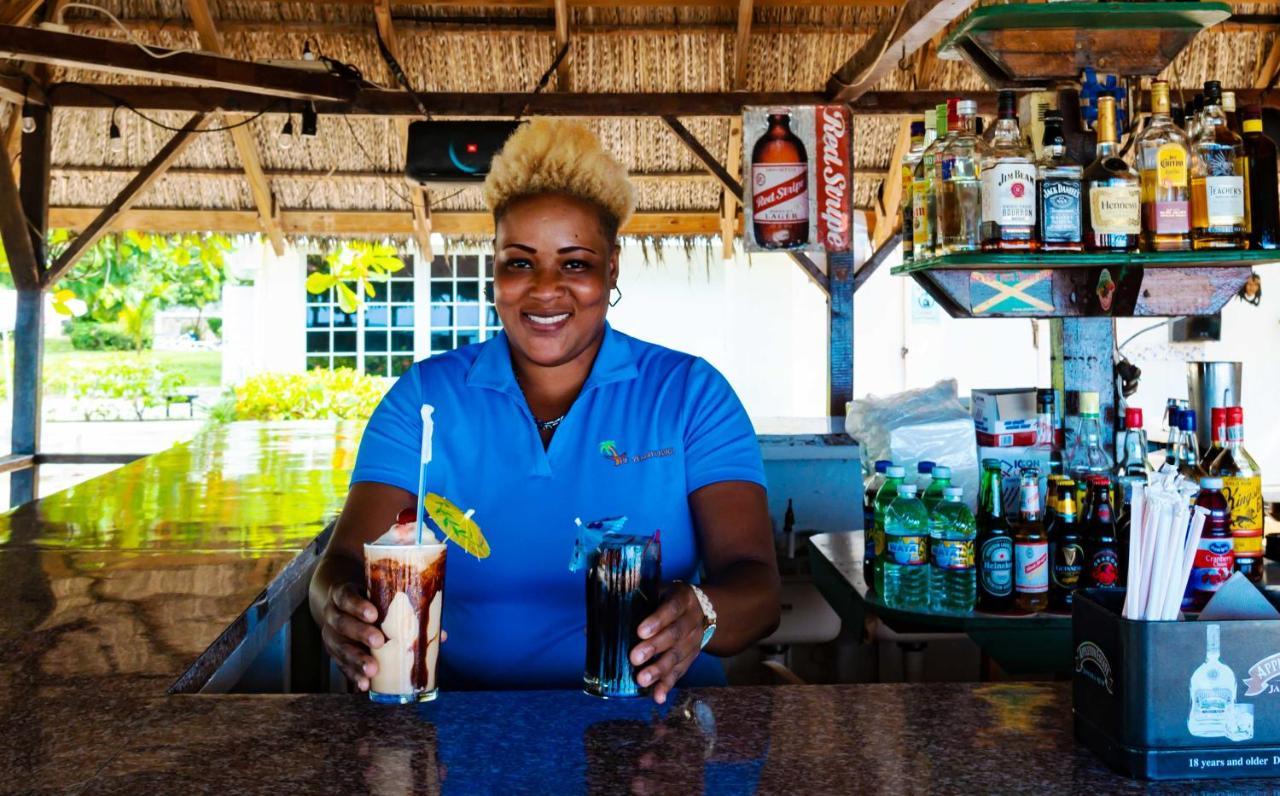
928, 424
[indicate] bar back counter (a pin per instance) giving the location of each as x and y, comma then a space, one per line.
148, 611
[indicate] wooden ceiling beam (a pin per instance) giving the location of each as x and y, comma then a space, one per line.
888, 217
353, 223
241, 135
144, 179
916, 22
19, 12
547, 4
96, 53
730, 201
15, 232
71, 169
564, 77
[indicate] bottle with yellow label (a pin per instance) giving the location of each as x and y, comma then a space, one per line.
1113, 212
909, 161
1163, 160
1219, 188
1242, 485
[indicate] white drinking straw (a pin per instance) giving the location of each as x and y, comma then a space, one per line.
1161, 573
1198, 517
428, 428
1168, 610
1133, 597
1150, 524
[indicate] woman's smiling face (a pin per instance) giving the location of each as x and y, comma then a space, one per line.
553, 269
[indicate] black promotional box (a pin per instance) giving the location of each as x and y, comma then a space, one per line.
1176, 700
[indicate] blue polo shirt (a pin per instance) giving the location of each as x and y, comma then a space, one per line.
650, 426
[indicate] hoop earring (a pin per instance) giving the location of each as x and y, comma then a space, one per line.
615, 301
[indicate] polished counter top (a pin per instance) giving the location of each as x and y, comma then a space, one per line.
126, 598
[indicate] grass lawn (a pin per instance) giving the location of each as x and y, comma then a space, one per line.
202, 368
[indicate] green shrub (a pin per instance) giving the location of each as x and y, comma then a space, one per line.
91, 336
215, 326
314, 395
140, 381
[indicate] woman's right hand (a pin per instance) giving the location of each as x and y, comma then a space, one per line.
349, 634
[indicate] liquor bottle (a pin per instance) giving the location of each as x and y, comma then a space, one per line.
923, 198
872, 486
1163, 155
1214, 558
1113, 214
1229, 111
1242, 485
953, 577
780, 187
1218, 189
1066, 551
1178, 113
1058, 181
1213, 690
1102, 547
940, 480
1087, 456
960, 184
1183, 451
1134, 466
906, 560
1031, 549
1217, 438
1193, 117
894, 477
909, 162
1046, 443
995, 544
1008, 184
1264, 212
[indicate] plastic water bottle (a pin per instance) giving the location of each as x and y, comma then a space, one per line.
932, 495
924, 475
888, 491
906, 561
953, 584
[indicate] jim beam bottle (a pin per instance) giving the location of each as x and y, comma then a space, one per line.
1219, 193
1113, 213
1008, 184
780, 187
1164, 155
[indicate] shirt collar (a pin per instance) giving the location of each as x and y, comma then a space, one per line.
615, 361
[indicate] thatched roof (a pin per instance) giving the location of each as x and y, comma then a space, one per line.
484, 49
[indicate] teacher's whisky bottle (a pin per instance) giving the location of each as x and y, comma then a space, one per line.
1163, 156
780, 187
1113, 212
995, 543
1219, 192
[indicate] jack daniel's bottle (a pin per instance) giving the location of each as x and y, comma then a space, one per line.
1058, 192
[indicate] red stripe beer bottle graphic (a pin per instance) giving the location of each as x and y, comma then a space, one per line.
780, 187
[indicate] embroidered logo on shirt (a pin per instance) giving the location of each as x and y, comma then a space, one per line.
609, 450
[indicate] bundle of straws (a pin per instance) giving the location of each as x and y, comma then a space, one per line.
1164, 534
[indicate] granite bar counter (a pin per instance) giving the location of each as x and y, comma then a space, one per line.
129, 601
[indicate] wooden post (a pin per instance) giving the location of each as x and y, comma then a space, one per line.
1081, 356
28, 337
840, 287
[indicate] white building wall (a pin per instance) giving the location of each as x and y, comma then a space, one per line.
263, 324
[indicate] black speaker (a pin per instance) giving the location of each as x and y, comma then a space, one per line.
453, 151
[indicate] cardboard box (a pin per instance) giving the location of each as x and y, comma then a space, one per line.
1012, 462
1003, 411
1150, 701
1010, 440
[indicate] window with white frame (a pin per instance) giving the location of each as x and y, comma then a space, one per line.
380, 338
461, 311
377, 339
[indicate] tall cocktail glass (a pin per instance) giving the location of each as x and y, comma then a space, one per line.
623, 577
406, 584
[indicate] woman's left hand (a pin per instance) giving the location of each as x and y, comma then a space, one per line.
671, 639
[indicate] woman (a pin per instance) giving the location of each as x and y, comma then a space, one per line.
558, 417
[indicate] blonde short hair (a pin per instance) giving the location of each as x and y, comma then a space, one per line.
557, 156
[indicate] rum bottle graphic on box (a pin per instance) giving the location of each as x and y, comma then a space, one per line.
1213, 692
780, 187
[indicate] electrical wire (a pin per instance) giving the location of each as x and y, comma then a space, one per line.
129, 107
1141, 332
884, 48
154, 53
372, 163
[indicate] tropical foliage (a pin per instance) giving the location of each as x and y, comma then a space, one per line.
352, 270
131, 381
314, 395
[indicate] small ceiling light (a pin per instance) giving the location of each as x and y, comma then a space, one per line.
115, 141
28, 120
307, 54
309, 120
285, 139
